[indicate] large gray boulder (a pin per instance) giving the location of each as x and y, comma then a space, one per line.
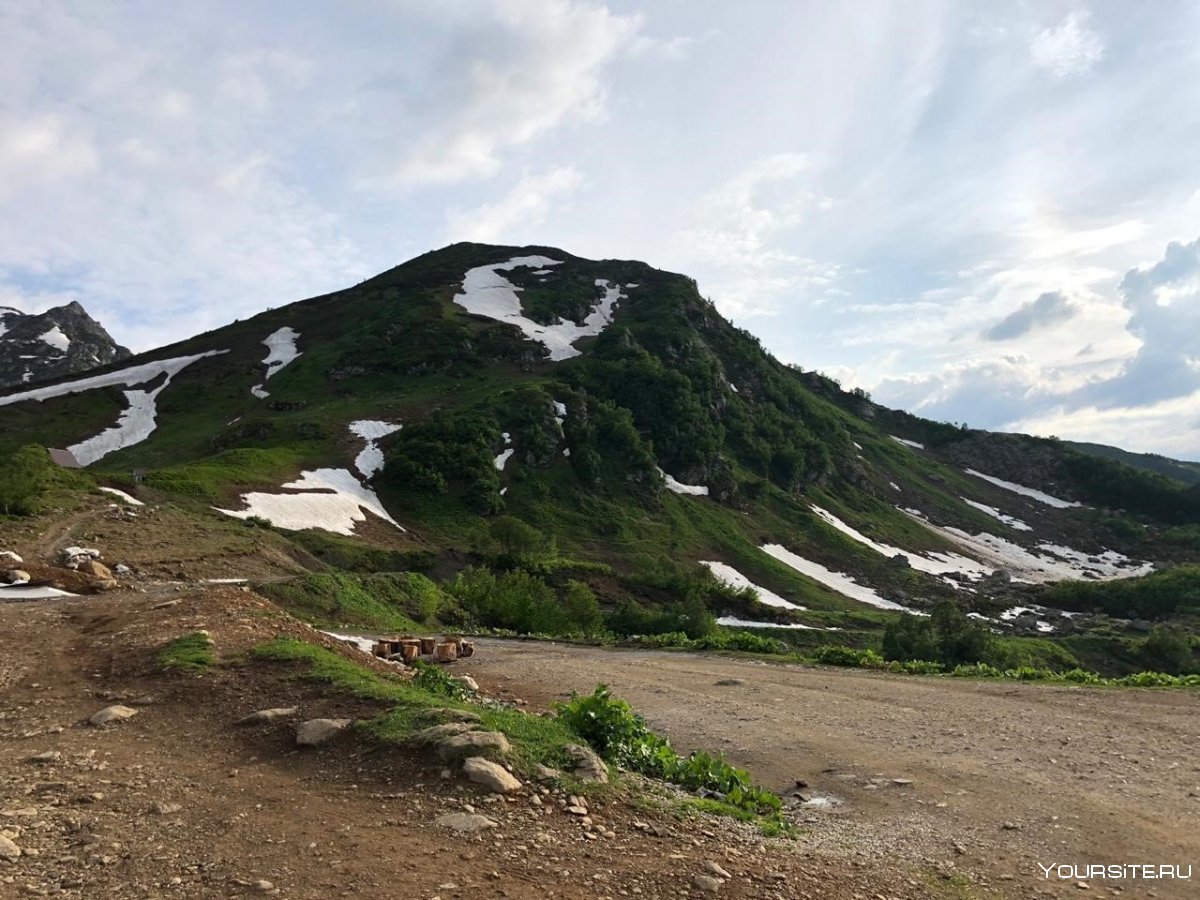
315, 732
492, 776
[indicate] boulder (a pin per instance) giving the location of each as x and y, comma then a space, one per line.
469, 683
74, 557
588, 765
263, 716
8, 850
438, 715
435, 734
492, 776
17, 576
545, 773
472, 743
464, 823
114, 713
96, 569
315, 732
7, 557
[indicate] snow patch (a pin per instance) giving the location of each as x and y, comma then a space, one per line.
931, 563
502, 460
677, 487
488, 293
906, 442
365, 644
836, 581
132, 501
257, 391
137, 422
330, 499
20, 592
735, 622
733, 387
56, 339
730, 576
1010, 521
1040, 496
370, 459
282, 347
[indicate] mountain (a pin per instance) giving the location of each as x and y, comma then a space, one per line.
599, 423
1178, 469
62, 341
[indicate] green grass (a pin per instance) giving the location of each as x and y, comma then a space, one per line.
189, 653
381, 602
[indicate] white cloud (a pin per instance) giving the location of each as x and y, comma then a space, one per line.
513, 217
1068, 48
520, 69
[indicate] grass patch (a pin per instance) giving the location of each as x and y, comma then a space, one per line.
190, 653
385, 602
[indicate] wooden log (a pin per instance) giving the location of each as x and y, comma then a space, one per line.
466, 649
410, 651
427, 645
445, 652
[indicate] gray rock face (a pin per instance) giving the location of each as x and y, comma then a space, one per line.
492, 776
315, 732
115, 713
61, 341
263, 716
588, 765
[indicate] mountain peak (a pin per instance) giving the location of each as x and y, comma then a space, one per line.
63, 340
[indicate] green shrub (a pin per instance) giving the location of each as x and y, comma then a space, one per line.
1168, 650
841, 655
24, 477
1081, 676
434, 679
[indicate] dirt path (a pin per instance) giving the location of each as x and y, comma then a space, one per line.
177, 802
1003, 775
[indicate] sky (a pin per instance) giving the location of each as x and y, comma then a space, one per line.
982, 212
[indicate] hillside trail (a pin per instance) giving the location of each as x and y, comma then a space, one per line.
178, 802
989, 777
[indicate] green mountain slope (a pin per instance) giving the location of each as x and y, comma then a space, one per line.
627, 422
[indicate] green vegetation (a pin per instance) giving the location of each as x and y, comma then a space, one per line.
386, 602
189, 653
622, 737
1159, 594
28, 477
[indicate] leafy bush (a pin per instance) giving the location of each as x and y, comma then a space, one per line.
841, 655
1157, 595
1081, 676
1169, 650
434, 679
947, 636
24, 476
622, 737
976, 670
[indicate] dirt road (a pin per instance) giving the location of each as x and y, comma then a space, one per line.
1004, 776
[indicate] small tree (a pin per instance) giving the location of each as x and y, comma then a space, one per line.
582, 608
516, 538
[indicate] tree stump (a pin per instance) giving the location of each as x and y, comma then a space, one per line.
427, 645
446, 652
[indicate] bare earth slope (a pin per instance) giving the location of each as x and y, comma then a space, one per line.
1004, 776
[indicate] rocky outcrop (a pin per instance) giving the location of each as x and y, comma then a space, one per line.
59, 342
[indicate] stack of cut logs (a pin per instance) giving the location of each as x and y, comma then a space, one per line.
406, 649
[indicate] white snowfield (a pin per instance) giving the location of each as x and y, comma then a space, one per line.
1010, 521
56, 339
370, 459
488, 293
282, 347
1042, 625
836, 581
329, 499
137, 422
678, 487
1055, 564
502, 460
121, 495
257, 391
727, 574
1040, 496
365, 644
906, 442
21, 592
931, 563
735, 622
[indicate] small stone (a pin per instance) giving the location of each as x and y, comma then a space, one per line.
469, 683
577, 810
115, 713
707, 883
714, 868
588, 765
465, 823
48, 757
269, 715
167, 809
8, 850
317, 731
263, 886
1011, 826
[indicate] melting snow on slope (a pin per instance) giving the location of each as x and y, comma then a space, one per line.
331, 499
733, 578
906, 442
56, 339
836, 581
1040, 496
137, 422
282, 344
1057, 564
678, 487
735, 622
1010, 521
365, 644
257, 391
370, 460
488, 293
132, 501
502, 460
932, 563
